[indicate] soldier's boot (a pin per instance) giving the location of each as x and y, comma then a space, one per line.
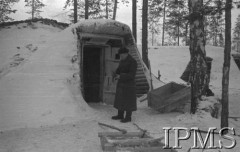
128, 117
119, 116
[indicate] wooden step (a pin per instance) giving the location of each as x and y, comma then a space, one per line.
139, 72
145, 83
139, 62
140, 76
146, 87
141, 91
141, 80
135, 56
142, 86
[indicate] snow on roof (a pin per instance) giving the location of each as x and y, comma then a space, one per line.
102, 26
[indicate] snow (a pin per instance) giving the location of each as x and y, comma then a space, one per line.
36, 92
103, 26
42, 109
172, 61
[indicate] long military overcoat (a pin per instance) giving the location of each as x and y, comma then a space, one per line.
125, 98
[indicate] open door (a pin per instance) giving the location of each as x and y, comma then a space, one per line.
92, 73
112, 60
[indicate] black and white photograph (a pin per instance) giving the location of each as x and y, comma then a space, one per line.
119, 75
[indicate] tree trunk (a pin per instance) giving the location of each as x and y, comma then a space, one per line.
115, 10
226, 65
178, 31
198, 73
106, 9
178, 26
75, 11
33, 2
217, 32
152, 38
134, 19
163, 29
186, 34
145, 32
86, 9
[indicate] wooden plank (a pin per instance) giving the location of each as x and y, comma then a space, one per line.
168, 97
119, 134
134, 142
177, 99
143, 149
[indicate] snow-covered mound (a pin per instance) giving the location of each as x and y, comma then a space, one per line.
37, 87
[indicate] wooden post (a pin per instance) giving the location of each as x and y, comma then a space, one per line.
226, 65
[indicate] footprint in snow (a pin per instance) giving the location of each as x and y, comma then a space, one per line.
31, 48
16, 61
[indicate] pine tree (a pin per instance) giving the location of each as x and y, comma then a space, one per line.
109, 8
145, 32
214, 24
95, 9
115, 6
236, 34
75, 11
134, 19
86, 9
79, 12
176, 23
36, 6
154, 16
6, 10
164, 20
115, 9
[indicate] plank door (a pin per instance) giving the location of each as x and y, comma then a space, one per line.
111, 64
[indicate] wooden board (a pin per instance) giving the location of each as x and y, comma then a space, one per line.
131, 142
169, 97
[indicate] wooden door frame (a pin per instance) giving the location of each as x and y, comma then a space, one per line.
82, 43
102, 67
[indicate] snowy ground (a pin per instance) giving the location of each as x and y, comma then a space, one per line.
177, 58
41, 109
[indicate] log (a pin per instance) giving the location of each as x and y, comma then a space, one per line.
113, 127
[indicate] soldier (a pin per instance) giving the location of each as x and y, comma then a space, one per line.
125, 99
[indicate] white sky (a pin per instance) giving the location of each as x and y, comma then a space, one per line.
54, 10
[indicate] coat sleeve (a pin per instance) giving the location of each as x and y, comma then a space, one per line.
131, 74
